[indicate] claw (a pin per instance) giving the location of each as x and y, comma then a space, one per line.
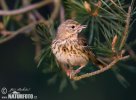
77, 71
72, 73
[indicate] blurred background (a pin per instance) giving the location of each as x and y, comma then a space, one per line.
18, 64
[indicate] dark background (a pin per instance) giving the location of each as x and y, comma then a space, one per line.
18, 70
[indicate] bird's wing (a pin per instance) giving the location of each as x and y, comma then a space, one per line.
82, 41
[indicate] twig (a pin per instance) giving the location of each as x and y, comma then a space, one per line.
114, 41
62, 14
131, 52
98, 5
5, 33
55, 11
30, 15
76, 78
25, 9
32, 18
112, 1
38, 15
28, 8
125, 33
3, 4
2, 27
87, 7
23, 29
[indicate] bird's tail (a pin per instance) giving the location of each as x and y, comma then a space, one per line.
97, 61
100, 63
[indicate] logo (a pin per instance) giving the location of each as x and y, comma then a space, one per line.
17, 94
3, 90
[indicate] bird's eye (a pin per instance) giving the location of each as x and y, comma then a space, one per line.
73, 27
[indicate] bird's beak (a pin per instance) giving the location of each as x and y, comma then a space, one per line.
81, 27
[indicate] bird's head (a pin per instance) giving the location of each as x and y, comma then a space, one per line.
68, 28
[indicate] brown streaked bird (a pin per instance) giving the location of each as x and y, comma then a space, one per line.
71, 49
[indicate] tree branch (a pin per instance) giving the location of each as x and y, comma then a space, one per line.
23, 29
125, 33
28, 8
54, 14
25, 9
3, 4
76, 78
62, 14
32, 17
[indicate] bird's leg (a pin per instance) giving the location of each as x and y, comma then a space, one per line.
74, 72
79, 69
70, 72
64, 68
67, 70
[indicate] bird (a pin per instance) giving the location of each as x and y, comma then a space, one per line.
71, 49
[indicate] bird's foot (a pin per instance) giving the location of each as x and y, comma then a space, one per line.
71, 73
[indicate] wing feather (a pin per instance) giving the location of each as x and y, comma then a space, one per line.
82, 41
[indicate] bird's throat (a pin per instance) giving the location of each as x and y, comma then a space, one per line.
67, 36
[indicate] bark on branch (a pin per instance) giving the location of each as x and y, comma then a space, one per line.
24, 9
